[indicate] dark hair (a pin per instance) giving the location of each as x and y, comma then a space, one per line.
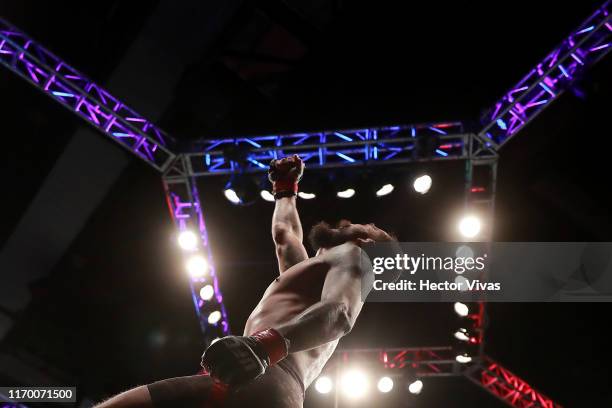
323, 235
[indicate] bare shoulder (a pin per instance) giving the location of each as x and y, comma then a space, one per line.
348, 256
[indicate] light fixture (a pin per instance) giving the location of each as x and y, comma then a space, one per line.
469, 226
422, 184
214, 317
354, 384
348, 193
197, 266
323, 385
266, 195
385, 384
463, 358
462, 335
461, 309
207, 292
415, 387
241, 189
385, 190
187, 240
464, 251
307, 196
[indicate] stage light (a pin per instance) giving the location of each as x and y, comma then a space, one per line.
241, 189
415, 387
463, 358
348, 193
462, 335
354, 384
231, 195
207, 292
385, 190
323, 385
197, 266
307, 196
469, 226
462, 282
422, 184
385, 384
187, 240
266, 195
461, 309
464, 251
214, 317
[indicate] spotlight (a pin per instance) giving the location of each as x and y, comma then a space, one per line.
307, 196
348, 193
469, 226
422, 184
385, 384
354, 384
187, 240
461, 309
464, 251
462, 282
266, 195
197, 266
462, 335
463, 358
231, 195
207, 292
241, 190
323, 385
415, 387
214, 317
385, 190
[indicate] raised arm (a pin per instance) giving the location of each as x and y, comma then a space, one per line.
286, 226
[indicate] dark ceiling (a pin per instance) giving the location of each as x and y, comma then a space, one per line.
116, 311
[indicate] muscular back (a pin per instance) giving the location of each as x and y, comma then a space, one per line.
334, 275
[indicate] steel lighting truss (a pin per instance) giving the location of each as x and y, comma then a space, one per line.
550, 78
90, 101
326, 149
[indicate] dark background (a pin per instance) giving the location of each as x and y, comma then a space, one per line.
116, 311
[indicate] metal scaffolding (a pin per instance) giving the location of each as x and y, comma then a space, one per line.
479, 148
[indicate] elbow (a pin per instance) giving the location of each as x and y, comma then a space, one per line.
344, 322
279, 232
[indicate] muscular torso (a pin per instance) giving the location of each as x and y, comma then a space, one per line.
290, 294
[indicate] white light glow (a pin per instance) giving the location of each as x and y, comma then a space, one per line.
469, 226
464, 251
385, 384
354, 384
422, 184
214, 317
266, 195
207, 292
384, 190
348, 193
461, 309
306, 196
231, 195
462, 282
462, 335
197, 266
463, 358
415, 387
323, 385
187, 240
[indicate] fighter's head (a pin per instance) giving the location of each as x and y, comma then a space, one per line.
323, 236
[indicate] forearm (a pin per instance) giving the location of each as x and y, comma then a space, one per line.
286, 218
319, 324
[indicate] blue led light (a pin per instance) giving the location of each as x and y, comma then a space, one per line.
345, 157
57, 93
441, 152
341, 136
501, 124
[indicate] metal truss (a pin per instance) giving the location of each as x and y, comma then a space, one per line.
422, 361
47, 72
186, 212
506, 386
333, 148
590, 42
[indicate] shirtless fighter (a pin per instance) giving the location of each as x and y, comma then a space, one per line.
294, 329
